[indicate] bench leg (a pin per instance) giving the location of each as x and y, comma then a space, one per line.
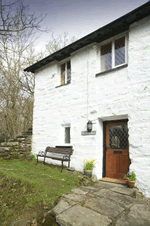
68, 164
36, 158
44, 160
62, 166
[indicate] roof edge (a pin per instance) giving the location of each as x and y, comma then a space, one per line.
122, 24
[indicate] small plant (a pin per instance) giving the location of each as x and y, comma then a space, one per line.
32, 157
130, 175
127, 176
88, 164
133, 176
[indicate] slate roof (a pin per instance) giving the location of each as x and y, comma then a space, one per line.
117, 26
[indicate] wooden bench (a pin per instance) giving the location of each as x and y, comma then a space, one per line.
61, 153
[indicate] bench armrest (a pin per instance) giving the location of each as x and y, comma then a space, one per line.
66, 156
41, 153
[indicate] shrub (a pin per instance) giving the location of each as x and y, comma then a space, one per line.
32, 157
88, 164
133, 176
130, 175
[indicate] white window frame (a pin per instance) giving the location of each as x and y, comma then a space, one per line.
62, 134
112, 40
65, 62
65, 135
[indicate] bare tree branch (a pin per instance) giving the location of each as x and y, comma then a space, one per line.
14, 17
58, 42
18, 30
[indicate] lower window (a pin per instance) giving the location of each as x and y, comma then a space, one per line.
67, 135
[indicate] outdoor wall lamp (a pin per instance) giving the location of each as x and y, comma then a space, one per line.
89, 126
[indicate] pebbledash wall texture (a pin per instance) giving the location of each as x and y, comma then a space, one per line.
123, 93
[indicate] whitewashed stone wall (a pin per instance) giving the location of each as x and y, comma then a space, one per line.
120, 94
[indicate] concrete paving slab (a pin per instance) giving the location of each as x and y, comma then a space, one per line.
123, 200
61, 207
138, 216
124, 191
81, 216
104, 206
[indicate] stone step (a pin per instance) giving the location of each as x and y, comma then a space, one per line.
104, 204
79, 215
113, 180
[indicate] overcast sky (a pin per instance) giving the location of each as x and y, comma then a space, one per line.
79, 17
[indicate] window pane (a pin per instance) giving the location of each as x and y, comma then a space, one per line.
118, 137
68, 72
106, 57
67, 134
120, 51
62, 74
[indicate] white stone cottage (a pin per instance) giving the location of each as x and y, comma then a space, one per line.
104, 77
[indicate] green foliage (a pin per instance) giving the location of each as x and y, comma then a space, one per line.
88, 164
133, 176
130, 175
25, 186
32, 157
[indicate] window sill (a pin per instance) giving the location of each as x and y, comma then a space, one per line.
63, 85
113, 69
64, 146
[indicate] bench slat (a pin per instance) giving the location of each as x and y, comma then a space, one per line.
61, 159
59, 150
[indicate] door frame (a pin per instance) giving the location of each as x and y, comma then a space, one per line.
104, 142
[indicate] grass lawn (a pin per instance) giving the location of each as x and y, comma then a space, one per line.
26, 186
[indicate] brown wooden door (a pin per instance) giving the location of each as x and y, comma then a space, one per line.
117, 151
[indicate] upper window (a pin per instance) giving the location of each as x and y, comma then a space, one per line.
113, 54
66, 73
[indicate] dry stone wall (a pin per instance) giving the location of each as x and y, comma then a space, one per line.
18, 148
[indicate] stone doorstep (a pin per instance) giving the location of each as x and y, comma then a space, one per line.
124, 191
113, 180
81, 216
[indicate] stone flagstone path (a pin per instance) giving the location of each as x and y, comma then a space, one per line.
103, 204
